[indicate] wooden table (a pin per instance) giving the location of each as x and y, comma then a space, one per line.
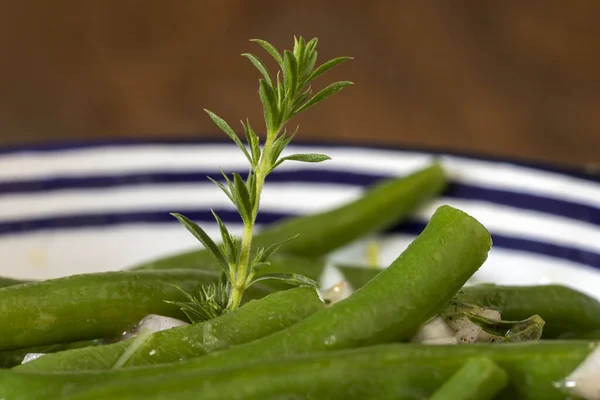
512, 78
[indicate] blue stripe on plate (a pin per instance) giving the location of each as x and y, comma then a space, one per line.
105, 181
521, 244
524, 201
74, 146
229, 216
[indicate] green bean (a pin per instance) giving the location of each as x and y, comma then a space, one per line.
10, 358
392, 306
256, 319
478, 379
383, 205
398, 371
91, 306
568, 313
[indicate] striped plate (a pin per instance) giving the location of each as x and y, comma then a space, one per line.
87, 208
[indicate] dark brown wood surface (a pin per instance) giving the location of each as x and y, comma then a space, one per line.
508, 78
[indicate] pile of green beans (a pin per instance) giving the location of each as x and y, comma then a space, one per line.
67, 309
398, 371
285, 342
395, 371
256, 319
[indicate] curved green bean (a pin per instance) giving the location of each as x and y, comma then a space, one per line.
398, 371
393, 305
91, 306
383, 205
479, 378
254, 320
10, 358
568, 313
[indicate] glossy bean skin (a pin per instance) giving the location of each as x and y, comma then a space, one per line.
391, 371
568, 313
10, 358
254, 320
479, 378
391, 307
91, 306
383, 205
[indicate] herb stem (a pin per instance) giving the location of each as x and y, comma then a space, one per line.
240, 280
282, 98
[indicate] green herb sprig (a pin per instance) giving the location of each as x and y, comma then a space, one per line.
283, 97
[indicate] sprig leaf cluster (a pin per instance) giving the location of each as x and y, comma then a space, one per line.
283, 95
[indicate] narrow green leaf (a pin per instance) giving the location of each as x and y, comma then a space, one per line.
244, 201
223, 277
291, 137
260, 66
299, 50
186, 307
322, 95
301, 98
270, 49
226, 238
223, 188
276, 149
227, 180
251, 185
269, 102
280, 92
253, 141
290, 73
278, 146
211, 303
189, 310
232, 191
269, 251
312, 44
186, 294
220, 122
259, 255
290, 279
308, 157
326, 67
203, 237
311, 60
259, 265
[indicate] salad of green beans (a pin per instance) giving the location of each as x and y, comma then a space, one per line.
246, 319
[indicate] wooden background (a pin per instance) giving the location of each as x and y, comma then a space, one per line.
509, 78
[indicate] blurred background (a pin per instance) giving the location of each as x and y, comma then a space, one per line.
512, 79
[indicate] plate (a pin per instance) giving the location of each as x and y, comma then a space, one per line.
82, 208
